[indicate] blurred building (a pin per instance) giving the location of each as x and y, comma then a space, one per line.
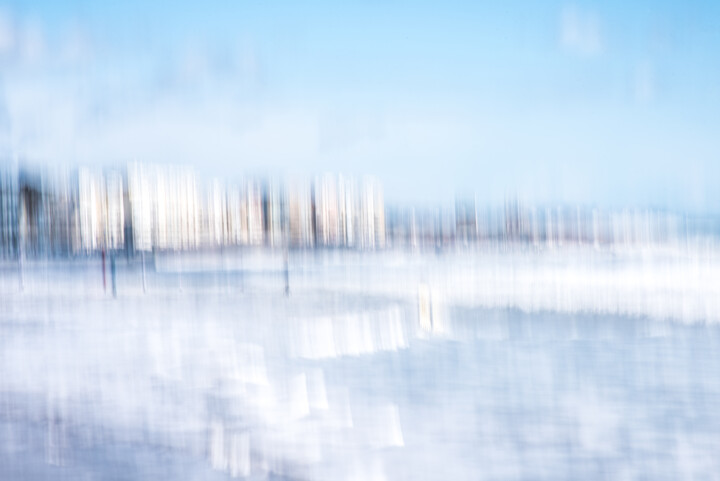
237, 215
300, 213
255, 217
9, 195
275, 213
9, 189
61, 194
216, 225
348, 213
327, 215
165, 207
115, 210
100, 210
32, 216
92, 207
53, 212
466, 230
372, 218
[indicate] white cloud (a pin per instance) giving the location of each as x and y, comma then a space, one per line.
195, 64
24, 42
198, 67
76, 46
249, 62
344, 130
32, 44
7, 35
53, 121
644, 88
580, 31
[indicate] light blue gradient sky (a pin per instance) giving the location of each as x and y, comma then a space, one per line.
577, 102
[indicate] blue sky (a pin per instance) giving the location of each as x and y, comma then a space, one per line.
599, 103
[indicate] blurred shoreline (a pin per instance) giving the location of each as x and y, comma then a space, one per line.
666, 282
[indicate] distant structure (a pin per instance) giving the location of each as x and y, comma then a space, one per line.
300, 214
101, 210
349, 213
550, 227
466, 221
146, 207
9, 190
9, 227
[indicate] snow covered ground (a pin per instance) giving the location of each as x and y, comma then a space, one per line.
565, 364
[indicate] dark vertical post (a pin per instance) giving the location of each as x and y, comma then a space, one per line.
112, 275
287, 271
103, 271
21, 269
284, 219
144, 282
242, 273
21, 240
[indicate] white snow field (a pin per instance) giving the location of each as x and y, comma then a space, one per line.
575, 363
